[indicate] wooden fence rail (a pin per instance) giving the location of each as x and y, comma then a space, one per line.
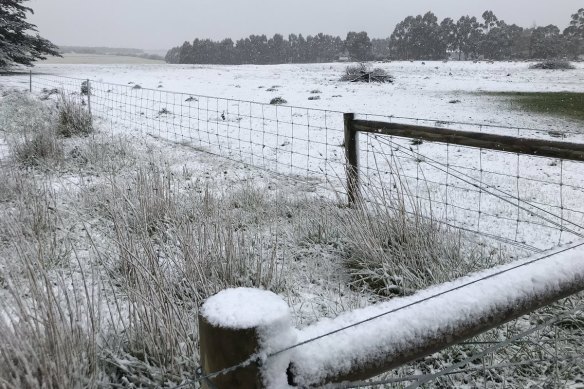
364, 343
511, 144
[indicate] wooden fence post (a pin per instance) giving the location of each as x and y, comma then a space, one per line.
235, 325
30, 81
352, 155
89, 97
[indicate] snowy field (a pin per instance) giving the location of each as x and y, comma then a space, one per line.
420, 90
223, 111
230, 116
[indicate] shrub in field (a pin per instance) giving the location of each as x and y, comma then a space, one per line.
364, 73
278, 101
74, 119
553, 65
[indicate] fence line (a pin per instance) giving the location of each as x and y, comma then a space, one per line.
307, 144
418, 334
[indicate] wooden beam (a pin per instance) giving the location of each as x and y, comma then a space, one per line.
416, 347
511, 144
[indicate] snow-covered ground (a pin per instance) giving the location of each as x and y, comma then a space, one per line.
230, 117
420, 90
303, 143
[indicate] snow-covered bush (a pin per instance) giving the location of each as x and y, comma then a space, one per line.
363, 72
278, 101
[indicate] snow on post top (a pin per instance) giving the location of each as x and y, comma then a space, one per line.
243, 308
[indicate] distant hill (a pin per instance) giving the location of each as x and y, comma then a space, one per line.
110, 51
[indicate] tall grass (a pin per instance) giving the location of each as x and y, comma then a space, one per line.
73, 118
101, 280
30, 128
48, 330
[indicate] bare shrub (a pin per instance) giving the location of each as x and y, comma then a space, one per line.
363, 72
553, 65
73, 118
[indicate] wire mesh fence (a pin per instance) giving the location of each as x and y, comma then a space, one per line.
526, 200
529, 201
532, 202
298, 142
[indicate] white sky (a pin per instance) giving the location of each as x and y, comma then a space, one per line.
159, 24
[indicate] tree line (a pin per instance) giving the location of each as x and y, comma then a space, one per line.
420, 37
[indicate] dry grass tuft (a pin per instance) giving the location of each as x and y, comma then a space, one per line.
73, 118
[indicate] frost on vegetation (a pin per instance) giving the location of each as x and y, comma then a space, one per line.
33, 224
49, 331
189, 230
392, 245
30, 130
433, 314
34, 129
73, 118
104, 154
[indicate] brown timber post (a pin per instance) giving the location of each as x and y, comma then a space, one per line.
352, 155
30, 81
89, 97
235, 327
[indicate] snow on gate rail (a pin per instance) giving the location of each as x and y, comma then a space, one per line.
366, 342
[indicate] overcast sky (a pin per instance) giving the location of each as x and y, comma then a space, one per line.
161, 24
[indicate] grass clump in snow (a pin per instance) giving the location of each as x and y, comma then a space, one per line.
30, 129
397, 247
74, 118
278, 101
49, 330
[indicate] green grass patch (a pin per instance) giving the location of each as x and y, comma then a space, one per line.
563, 104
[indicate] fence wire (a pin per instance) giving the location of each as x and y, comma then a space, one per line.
298, 142
534, 202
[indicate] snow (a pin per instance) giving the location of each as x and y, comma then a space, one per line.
303, 140
390, 335
244, 308
420, 91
